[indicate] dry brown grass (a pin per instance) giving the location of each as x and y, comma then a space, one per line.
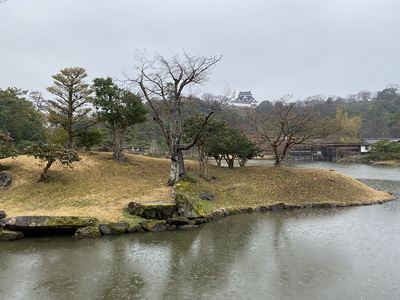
265, 185
96, 186
101, 187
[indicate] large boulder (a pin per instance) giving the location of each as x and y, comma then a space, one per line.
153, 210
114, 228
188, 202
5, 179
154, 225
187, 206
42, 224
88, 232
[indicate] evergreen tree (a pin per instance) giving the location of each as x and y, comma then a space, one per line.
119, 108
70, 106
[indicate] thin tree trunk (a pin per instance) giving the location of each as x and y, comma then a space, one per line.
202, 161
205, 158
70, 124
242, 161
43, 177
277, 157
218, 159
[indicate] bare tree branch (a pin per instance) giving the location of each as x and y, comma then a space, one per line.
287, 125
162, 83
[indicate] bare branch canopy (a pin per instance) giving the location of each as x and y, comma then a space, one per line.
163, 82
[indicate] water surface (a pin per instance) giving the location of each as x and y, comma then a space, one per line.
341, 253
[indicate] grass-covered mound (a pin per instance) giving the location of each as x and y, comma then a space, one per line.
98, 186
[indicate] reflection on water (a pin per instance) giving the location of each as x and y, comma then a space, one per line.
343, 253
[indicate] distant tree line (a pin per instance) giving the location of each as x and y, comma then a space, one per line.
165, 119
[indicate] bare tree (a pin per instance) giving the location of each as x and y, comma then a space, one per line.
38, 101
364, 95
163, 82
287, 125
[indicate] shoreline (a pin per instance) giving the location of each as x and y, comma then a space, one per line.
101, 187
90, 227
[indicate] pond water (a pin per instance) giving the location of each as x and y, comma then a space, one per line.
341, 253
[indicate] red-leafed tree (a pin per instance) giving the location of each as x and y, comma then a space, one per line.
51, 153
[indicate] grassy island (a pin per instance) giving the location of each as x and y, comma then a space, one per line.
98, 186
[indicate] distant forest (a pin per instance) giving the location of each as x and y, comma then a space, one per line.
379, 112
23, 117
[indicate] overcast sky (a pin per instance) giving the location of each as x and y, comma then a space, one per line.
270, 47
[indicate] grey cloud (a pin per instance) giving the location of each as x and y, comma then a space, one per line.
271, 47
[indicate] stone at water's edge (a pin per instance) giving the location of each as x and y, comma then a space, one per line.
114, 228
9, 235
46, 222
154, 225
105, 229
5, 179
2, 214
188, 203
88, 232
187, 206
135, 228
153, 210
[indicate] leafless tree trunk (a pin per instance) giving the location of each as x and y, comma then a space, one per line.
38, 101
163, 82
218, 159
203, 161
